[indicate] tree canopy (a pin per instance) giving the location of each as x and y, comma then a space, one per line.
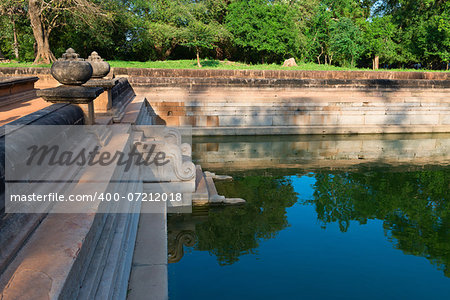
362, 33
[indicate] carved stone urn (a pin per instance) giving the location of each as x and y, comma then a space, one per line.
101, 68
71, 69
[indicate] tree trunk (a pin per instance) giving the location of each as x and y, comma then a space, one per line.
318, 57
198, 58
44, 55
16, 44
376, 62
167, 53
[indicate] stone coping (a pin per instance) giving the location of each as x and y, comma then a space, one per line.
8, 82
278, 74
70, 94
11, 71
56, 114
258, 74
101, 82
318, 130
286, 82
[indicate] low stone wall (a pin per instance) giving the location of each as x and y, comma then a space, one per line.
45, 78
16, 89
255, 74
279, 74
16, 228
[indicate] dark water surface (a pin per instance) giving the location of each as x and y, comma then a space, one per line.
330, 218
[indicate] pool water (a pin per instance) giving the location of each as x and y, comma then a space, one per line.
378, 232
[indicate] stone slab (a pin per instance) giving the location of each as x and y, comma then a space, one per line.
70, 94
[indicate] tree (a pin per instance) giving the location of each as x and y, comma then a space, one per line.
318, 35
164, 21
13, 9
46, 15
346, 41
120, 35
263, 29
199, 35
425, 33
379, 36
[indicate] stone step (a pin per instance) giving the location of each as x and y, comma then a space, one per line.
302, 110
124, 270
98, 261
316, 129
174, 93
214, 197
121, 287
201, 195
118, 261
306, 101
97, 264
148, 278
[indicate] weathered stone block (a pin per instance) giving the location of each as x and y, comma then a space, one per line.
350, 119
425, 119
231, 121
212, 121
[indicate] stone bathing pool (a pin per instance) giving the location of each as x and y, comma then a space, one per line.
356, 217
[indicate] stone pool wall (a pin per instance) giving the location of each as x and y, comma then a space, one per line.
241, 106
259, 102
255, 102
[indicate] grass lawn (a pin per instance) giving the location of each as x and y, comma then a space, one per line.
215, 64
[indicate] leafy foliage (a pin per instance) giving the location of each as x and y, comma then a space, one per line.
233, 231
401, 33
414, 207
346, 41
260, 26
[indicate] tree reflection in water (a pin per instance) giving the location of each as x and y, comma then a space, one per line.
414, 207
229, 232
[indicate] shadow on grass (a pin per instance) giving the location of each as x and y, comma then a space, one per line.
209, 63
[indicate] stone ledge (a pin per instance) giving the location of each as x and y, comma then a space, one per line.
200, 84
10, 82
285, 74
318, 130
208, 73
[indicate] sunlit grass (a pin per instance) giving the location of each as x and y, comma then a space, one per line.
23, 64
221, 65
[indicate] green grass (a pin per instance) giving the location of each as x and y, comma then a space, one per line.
216, 64
22, 64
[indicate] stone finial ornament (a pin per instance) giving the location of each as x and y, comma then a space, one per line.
100, 67
71, 69
70, 55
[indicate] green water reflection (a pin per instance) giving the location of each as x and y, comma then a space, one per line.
357, 217
414, 208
